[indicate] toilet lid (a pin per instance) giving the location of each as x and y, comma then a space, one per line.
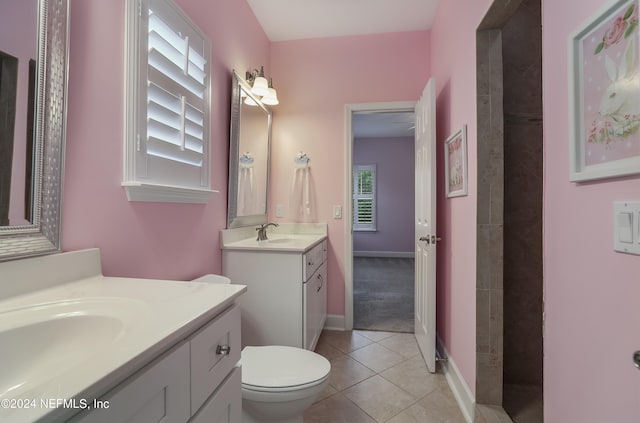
279, 366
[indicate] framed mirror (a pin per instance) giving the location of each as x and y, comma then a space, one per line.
33, 139
249, 144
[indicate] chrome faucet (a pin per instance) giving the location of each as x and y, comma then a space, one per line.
262, 231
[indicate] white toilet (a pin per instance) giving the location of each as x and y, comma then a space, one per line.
278, 382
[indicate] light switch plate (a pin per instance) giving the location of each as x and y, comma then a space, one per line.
337, 212
279, 210
626, 227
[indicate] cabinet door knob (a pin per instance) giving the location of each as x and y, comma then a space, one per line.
223, 350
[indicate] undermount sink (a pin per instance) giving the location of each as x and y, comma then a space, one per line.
280, 240
43, 341
288, 238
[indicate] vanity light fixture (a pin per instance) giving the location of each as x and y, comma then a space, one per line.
261, 87
272, 96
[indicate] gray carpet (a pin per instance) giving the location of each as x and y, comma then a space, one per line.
383, 294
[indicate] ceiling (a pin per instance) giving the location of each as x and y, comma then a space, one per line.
285, 20
383, 124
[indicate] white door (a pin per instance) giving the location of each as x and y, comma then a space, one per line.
425, 233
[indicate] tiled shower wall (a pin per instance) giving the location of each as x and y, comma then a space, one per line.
509, 264
489, 292
522, 56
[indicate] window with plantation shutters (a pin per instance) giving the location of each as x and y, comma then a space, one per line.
168, 86
364, 198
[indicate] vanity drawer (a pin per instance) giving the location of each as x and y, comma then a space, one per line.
158, 392
215, 351
312, 259
225, 405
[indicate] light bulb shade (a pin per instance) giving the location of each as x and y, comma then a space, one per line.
271, 98
250, 102
260, 86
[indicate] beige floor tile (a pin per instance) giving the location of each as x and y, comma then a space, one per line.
375, 335
379, 398
412, 376
345, 341
414, 414
346, 372
439, 407
325, 349
381, 377
376, 357
336, 409
478, 418
328, 391
402, 343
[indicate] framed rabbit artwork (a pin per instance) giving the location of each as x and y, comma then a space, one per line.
604, 94
455, 163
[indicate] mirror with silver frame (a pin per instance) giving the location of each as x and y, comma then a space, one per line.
34, 228
250, 138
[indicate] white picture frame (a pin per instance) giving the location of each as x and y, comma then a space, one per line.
455, 164
604, 94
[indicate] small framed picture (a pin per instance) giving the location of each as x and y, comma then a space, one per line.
604, 94
455, 163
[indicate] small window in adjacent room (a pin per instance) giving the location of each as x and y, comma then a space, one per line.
364, 198
168, 105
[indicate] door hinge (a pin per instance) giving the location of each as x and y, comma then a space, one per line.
138, 142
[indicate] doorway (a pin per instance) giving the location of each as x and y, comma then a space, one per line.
383, 215
371, 254
509, 293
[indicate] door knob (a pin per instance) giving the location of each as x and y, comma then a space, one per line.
424, 238
636, 359
435, 239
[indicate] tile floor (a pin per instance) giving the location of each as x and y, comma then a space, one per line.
380, 377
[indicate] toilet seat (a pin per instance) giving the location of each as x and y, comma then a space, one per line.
281, 369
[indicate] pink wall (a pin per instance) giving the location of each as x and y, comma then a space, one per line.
453, 45
19, 39
592, 294
395, 194
177, 241
315, 80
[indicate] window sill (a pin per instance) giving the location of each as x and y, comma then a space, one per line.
365, 230
137, 191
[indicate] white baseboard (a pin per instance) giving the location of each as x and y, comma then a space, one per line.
459, 387
334, 322
390, 254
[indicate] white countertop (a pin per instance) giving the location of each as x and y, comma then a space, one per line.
128, 323
299, 237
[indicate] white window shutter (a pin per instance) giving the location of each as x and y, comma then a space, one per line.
171, 131
364, 198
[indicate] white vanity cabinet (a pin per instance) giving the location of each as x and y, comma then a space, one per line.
198, 380
286, 298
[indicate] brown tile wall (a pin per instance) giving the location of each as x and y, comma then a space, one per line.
489, 294
522, 52
509, 243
